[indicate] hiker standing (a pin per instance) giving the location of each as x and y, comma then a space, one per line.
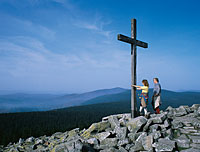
144, 95
156, 100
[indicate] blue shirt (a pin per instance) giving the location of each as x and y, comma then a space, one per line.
157, 89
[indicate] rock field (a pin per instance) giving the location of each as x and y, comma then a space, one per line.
175, 129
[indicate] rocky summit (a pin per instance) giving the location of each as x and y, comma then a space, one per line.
175, 129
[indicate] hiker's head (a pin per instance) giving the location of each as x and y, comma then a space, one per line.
145, 83
155, 80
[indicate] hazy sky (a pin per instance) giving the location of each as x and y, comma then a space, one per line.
71, 45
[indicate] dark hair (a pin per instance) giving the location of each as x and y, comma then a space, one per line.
156, 79
145, 82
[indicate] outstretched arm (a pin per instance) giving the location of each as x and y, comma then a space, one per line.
138, 87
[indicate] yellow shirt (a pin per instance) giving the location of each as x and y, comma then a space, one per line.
145, 89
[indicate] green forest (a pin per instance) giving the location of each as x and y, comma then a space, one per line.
23, 125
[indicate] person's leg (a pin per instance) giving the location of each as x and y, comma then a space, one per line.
145, 111
157, 110
141, 110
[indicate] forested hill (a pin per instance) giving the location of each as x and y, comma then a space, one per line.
22, 125
25, 124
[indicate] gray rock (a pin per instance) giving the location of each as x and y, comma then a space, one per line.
124, 119
136, 147
169, 108
122, 149
128, 146
153, 128
122, 122
59, 134
20, 148
135, 124
190, 150
61, 148
166, 123
78, 145
71, 146
111, 149
196, 124
195, 139
146, 127
158, 118
188, 109
195, 134
168, 133
196, 146
73, 134
30, 140
191, 127
121, 132
181, 111
108, 142
92, 141
187, 131
183, 141
39, 141
185, 120
123, 142
147, 142
101, 136
138, 143
134, 136
95, 127
195, 107
176, 124
13, 150
164, 145
21, 141
156, 135
114, 121
198, 111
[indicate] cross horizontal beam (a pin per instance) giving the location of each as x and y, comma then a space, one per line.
132, 41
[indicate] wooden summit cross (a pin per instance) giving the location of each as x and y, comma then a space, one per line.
134, 43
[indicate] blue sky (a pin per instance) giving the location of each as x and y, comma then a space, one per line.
71, 45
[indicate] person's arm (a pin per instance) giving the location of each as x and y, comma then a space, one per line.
138, 87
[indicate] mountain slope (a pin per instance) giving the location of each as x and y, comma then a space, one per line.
21, 102
169, 98
77, 99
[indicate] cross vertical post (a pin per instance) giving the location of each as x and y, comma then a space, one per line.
133, 69
134, 43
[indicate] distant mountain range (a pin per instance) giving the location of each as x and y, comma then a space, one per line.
21, 102
169, 98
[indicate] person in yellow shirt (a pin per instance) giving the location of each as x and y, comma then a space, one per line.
144, 95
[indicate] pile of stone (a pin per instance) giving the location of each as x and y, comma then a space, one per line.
176, 129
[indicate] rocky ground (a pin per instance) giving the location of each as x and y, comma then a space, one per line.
176, 129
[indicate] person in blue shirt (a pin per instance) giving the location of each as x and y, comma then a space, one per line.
156, 100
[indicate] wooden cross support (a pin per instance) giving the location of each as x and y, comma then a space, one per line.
134, 42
